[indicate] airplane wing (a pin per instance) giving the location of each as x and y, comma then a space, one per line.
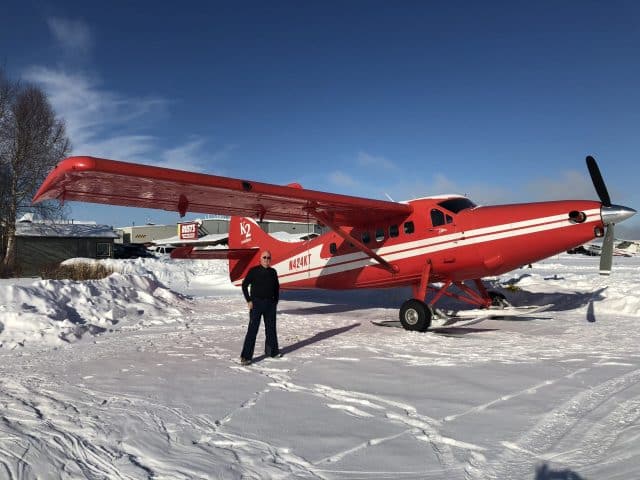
97, 180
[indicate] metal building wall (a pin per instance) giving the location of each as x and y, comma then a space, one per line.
35, 253
212, 226
147, 233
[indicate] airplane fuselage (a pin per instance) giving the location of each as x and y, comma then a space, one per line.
471, 243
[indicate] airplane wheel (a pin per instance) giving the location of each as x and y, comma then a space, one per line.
498, 300
415, 315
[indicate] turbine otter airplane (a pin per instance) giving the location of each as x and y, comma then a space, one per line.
446, 240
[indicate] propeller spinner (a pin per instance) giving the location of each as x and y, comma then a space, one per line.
611, 214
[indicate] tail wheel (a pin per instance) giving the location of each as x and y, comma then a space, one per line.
415, 315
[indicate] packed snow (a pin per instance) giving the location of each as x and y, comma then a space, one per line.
137, 376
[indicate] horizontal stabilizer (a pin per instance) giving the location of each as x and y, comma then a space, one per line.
191, 252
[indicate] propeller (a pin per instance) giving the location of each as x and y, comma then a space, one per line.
606, 254
598, 182
611, 214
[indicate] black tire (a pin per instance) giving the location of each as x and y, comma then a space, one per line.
415, 315
498, 300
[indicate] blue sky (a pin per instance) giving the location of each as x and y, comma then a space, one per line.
498, 100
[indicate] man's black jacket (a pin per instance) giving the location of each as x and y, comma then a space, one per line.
264, 284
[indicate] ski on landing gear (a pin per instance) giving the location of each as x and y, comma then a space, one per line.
461, 318
496, 312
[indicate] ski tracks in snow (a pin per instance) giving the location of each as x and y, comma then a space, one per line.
42, 432
368, 406
579, 432
98, 435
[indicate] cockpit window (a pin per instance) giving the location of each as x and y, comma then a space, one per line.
456, 205
437, 217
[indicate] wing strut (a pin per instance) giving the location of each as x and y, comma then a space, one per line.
356, 243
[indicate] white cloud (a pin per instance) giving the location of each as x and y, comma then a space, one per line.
184, 157
131, 148
366, 160
74, 36
95, 119
342, 179
569, 184
442, 184
193, 156
93, 115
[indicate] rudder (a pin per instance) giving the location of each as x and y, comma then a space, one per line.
246, 233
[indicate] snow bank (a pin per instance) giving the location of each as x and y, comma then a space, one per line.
573, 283
179, 275
50, 312
142, 292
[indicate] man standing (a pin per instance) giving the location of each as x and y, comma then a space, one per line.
262, 302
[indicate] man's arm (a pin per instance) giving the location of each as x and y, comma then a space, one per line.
245, 285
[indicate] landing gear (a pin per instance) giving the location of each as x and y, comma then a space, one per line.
499, 300
415, 315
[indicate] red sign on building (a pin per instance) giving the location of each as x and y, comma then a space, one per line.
188, 231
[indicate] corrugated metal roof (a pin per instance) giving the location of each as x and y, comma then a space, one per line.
67, 230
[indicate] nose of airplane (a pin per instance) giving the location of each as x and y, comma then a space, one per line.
615, 214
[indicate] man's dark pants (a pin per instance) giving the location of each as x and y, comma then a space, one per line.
266, 309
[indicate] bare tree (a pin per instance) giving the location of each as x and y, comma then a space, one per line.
32, 142
5, 95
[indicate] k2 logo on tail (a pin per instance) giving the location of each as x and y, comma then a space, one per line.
245, 232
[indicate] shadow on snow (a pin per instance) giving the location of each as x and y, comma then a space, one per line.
318, 337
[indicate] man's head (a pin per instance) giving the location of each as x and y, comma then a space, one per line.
265, 258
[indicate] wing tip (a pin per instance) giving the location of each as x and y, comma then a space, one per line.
50, 188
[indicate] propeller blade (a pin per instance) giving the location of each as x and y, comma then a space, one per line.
598, 182
606, 254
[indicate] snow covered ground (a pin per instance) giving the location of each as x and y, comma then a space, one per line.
137, 376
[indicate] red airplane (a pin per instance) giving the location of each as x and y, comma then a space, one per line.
446, 240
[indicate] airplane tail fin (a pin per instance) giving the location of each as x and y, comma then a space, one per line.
245, 233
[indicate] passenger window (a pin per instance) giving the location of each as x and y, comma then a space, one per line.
379, 234
449, 219
366, 237
393, 231
333, 248
437, 217
408, 227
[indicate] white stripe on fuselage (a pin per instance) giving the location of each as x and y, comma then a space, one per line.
316, 266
